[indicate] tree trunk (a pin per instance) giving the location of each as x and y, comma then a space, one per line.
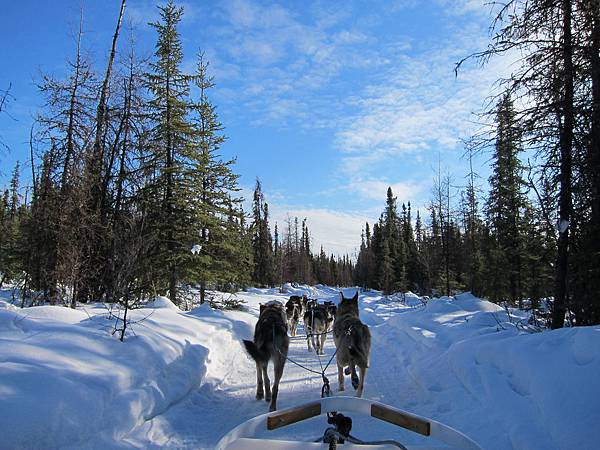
71, 121
169, 197
126, 306
98, 150
594, 148
593, 162
565, 200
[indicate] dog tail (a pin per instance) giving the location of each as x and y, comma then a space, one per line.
253, 350
358, 355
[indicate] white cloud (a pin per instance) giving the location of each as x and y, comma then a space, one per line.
338, 232
375, 189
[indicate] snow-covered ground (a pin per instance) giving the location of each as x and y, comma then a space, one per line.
183, 380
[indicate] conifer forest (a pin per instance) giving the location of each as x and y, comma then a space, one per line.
125, 194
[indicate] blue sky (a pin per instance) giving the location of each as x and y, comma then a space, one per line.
327, 102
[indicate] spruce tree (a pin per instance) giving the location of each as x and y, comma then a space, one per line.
165, 196
505, 204
262, 244
216, 217
11, 242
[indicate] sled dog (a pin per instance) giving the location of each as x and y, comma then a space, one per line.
306, 302
316, 324
331, 309
270, 343
353, 342
293, 310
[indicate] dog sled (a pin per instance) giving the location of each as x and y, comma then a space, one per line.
247, 436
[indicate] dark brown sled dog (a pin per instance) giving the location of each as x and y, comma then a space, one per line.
271, 343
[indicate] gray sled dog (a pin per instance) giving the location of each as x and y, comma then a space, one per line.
294, 309
353, 342
317, 320
331, 310
271, 343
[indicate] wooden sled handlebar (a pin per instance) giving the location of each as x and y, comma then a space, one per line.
289, 416
401, 419
394, 416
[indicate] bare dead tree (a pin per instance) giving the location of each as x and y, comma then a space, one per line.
5, 97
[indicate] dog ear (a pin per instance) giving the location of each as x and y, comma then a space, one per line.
342, 295
262, 308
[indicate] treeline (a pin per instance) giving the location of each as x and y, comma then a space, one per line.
498, 246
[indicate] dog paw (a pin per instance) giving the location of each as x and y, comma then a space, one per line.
260, 396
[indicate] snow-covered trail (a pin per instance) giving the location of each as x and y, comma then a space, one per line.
448, 361
226, 396
183, 379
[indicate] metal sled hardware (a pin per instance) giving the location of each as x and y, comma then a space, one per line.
243, 437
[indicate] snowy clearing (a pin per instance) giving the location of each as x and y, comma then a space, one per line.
183, 380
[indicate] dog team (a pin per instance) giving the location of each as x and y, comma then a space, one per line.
271, 341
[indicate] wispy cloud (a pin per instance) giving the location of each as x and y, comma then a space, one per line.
418, 106
290, 59
462, 7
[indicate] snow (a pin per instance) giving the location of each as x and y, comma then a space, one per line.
183, 379
162, 302
562, 225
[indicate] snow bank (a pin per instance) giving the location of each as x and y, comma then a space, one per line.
461, 362
162, 302
66, 382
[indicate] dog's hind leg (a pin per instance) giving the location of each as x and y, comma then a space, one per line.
260, 393
315, 343
322, 344
278, 372
267, 382
361, 385
354, 376
340, 377
308, 337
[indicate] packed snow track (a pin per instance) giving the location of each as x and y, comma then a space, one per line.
184, 380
